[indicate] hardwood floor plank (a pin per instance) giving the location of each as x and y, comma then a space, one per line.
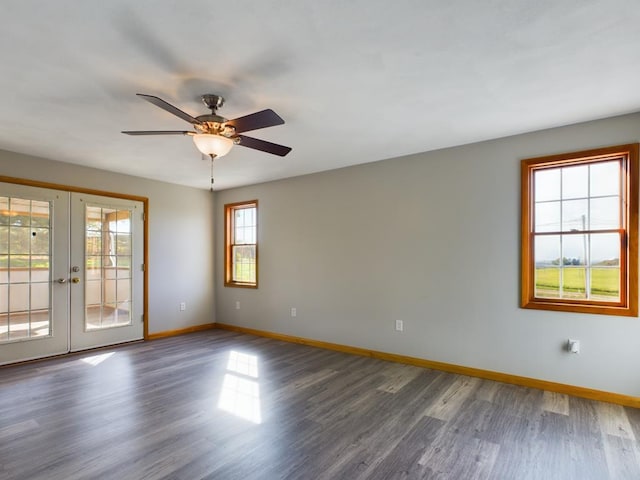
455, 456
633, 415
555, 403
404, 460
487, 391
398, 413
446, 407
623, 457
587, 451
519, 401
613, 420
552, 438
397, 376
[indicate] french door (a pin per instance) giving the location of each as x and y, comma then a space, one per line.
70, 272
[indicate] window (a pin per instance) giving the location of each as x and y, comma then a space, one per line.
241, 244
580, 231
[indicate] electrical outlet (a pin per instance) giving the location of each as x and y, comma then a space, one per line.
573, 346
294, 312
183, 306
399, 326
237, 304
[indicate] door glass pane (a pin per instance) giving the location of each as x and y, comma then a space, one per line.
123, 244
109, 315
19, 326
25, 277
4, 240
20, 238
4, 312
108, 248
40, 309
40, 214
123, 221
40, 263
123, 290
93, 292
4, 269
39, 241
4, 211
19, 212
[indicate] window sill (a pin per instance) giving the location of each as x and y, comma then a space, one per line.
568, 306
240, 285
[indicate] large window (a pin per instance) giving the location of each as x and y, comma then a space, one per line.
241, 244
580, 231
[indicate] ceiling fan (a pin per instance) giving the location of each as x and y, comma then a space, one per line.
215, 135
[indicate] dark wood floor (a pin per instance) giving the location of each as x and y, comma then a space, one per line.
222, 405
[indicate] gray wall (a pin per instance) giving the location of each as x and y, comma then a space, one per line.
180, 235
431, 239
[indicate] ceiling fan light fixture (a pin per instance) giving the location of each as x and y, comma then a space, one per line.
210, 144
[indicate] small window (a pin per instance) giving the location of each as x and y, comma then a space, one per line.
241, 244
580, 231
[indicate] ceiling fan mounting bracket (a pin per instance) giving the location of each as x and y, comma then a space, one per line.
213, 102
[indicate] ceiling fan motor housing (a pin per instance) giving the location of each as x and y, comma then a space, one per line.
213, 123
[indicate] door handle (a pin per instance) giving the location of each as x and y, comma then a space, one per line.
73, 280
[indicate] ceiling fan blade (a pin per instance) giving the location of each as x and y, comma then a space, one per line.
157, 132
263, 145
254, 121
158, 102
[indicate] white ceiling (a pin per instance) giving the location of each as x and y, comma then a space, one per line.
356, 81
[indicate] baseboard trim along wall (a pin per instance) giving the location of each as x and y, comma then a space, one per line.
180, 331
575, 391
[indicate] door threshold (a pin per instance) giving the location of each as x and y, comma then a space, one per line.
71, 354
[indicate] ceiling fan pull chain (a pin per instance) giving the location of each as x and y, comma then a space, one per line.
212, 157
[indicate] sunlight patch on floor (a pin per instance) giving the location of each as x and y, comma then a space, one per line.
243, 364
97, 359
240, 394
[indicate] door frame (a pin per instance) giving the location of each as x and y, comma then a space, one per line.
145, 228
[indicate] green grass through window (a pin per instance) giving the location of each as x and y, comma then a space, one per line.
604, 281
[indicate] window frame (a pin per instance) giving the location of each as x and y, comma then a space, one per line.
628, 304
229, 228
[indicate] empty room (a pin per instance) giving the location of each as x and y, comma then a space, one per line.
319, 240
